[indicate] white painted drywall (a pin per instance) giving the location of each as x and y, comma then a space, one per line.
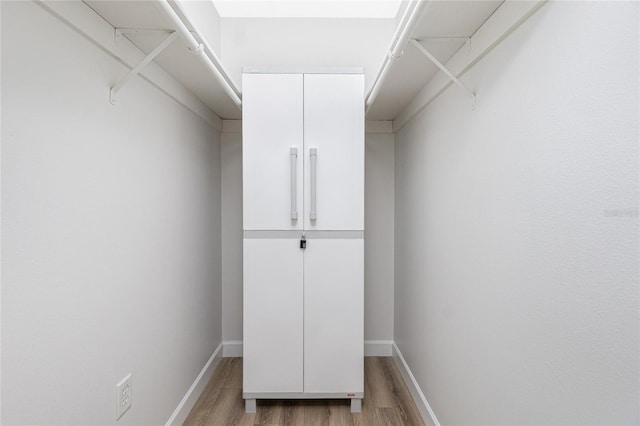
111, 235
305, 42
231, 168
516, 246
378, 234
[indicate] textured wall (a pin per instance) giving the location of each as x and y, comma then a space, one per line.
305, 42
110, 233
231, 160
378, 234
516, 273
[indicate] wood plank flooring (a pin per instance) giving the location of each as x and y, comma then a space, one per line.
386, 402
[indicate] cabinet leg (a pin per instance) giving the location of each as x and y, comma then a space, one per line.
356, 405
250, 405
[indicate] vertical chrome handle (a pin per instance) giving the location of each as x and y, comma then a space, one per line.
293, 156
313, 157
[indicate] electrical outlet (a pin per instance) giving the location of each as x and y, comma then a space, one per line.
123, 396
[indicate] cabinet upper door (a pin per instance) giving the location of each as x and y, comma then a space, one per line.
272, 142
334, 151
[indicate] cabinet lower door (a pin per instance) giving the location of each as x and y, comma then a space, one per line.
334, 316
273, 315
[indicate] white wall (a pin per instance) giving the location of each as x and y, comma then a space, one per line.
378, 235
231, 161
111, 235
516, 246
305, 42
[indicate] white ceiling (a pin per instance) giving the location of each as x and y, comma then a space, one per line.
308, 42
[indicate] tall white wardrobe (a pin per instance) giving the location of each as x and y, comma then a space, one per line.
303, 220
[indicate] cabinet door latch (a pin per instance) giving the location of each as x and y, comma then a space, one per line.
303, 243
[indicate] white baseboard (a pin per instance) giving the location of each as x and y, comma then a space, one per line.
426, 412
378, 347
188, 401
232, 348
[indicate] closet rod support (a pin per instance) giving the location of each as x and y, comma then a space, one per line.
136, 70
407, 24
204, 52
444, 69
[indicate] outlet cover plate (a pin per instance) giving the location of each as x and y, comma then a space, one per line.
123, 396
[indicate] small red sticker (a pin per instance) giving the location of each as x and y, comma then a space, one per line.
351, 394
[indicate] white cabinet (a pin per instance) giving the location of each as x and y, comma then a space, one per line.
305, 316
303, 192
321, 113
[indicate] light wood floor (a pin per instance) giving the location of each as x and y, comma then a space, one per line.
386, 401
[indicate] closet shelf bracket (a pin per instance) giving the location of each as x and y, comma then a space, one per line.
139, 32
466, 40
136, 70
444, 69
